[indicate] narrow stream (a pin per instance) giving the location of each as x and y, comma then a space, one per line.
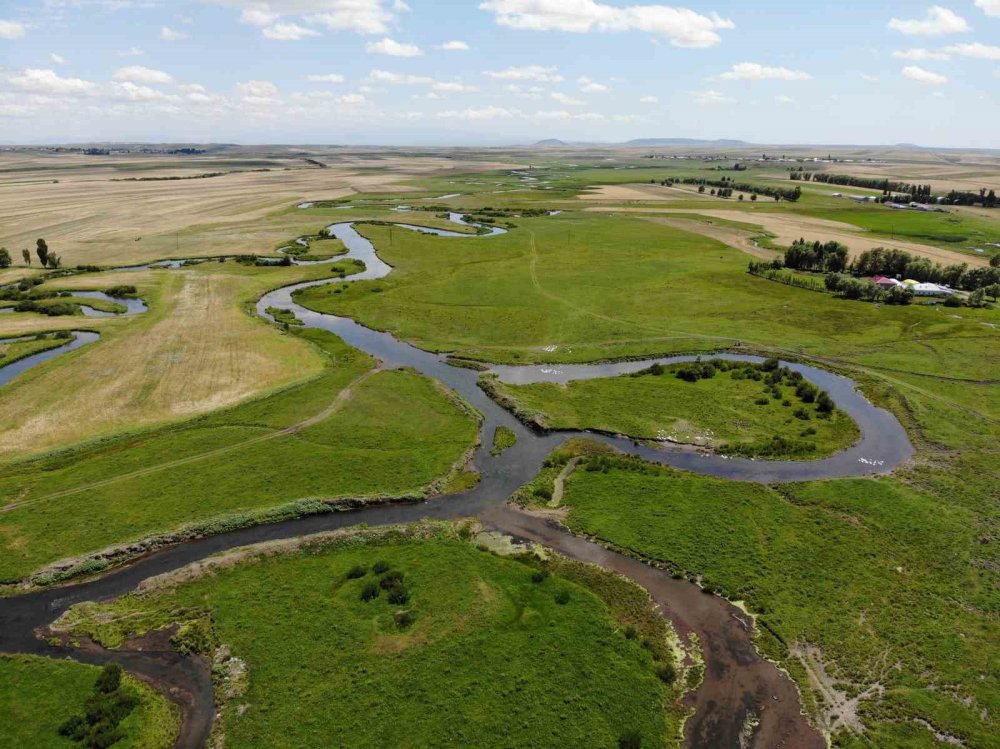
744, 700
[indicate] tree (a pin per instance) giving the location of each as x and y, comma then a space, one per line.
753, 198
977, 298
54, 261
42, 250
993, 290
26, 255
995, 261
4, 258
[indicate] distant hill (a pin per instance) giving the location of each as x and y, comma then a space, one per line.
551, 142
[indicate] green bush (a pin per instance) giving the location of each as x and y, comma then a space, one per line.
539, 576
391, 580
403, 619
562, 597
356, 572
380, 566
370, 592
667, 673
398, 595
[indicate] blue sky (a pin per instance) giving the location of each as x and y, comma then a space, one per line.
499, 71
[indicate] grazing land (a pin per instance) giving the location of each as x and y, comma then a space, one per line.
37, 695
413, 639
878, 595
349, 432
727, 411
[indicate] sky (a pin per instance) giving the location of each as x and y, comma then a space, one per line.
495, 72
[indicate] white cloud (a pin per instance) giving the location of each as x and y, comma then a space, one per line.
975, 49
325, 78
569, 101
918, 53
780, 99
352, 100
361, 16
130, 52
684, 27
989, 7
752, 71
926, 77
589, 86
168, 34
649, 100
287, 32
870, 78
711, 97
937, 21
453, 87
191, 88
258, 17
527, 73
129, 91
399, 79
57, 59
12, 29
48, 82
482, 113
455, 45
258, 89
140, 74
387, 46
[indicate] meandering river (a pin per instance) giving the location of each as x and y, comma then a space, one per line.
744, 700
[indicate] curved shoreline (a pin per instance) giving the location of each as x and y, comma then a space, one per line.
744, 699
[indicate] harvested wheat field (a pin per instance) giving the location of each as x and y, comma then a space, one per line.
118, 213
787, 227
196, 350
627, 192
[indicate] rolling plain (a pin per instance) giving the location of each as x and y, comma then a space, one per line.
159, 484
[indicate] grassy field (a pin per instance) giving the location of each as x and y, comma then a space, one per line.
486, 657
579, 287
194, 351
348, 432
881, 587
38, 694
726, 411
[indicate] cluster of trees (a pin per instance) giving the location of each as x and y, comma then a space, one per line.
830, 257
100, 725
46, 257
898, 191
899, 263
728, 184
983, 198
775, 272
871, 183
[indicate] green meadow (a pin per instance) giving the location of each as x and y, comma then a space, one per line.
393, 433
725, 411
38, 694
416, 638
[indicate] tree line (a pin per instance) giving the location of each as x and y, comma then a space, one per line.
895, 190
728, 184
46, 257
